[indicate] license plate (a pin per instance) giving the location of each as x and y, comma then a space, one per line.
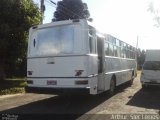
51, 82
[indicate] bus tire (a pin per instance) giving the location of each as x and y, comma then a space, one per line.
112, 87
131, 81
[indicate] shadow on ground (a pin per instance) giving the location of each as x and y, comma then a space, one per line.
146, 98
75, 105
61, 107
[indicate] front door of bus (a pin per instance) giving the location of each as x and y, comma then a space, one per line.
101, 63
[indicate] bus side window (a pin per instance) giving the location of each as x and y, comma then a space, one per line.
111, 50
92, 40
130, 54
115, 51
125, 53
118, 52
92, 44
122, 52
106, 48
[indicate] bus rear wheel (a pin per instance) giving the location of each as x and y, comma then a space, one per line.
132, 79
112, 87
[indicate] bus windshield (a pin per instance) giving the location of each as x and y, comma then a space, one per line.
53, 41
151, 65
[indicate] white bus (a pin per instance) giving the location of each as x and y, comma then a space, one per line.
72, 56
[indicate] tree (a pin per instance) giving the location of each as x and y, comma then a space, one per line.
155, 11
71, 9
140, 58
16, 17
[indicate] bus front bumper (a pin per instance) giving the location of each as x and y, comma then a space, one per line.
58, 91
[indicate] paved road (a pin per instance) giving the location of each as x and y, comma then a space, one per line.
127, 100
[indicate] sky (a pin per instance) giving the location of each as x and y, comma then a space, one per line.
127, 20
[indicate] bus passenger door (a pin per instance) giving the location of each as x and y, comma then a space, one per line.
101, 64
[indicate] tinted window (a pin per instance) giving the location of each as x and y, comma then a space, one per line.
117, 42
118, 52
106, 48
151, 65
92, 44
115, 51
111, 50
92, 40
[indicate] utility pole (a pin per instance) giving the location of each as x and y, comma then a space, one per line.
137, 42
42, 10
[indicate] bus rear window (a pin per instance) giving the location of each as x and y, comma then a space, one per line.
53, 41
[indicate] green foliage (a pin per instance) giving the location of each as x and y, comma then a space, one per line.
156, 13
12, 91
71, 9
12, 86
16, 17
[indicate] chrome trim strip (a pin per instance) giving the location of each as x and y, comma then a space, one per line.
119, 71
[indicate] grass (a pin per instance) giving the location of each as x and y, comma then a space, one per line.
12, 86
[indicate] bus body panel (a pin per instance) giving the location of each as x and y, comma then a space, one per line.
58, 66
123, 69
63, 71
77, 62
